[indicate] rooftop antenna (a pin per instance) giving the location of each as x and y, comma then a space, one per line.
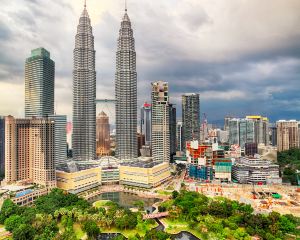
84, 3
125, 5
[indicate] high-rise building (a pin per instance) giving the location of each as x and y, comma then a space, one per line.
179, 146
146, 122
39, 84
234, 131
190, 117
103, 134
160, 122
2, 147
172, 125
287, 135
252, 129
29, 151
84, 92
273, 131
60, 138
126, 93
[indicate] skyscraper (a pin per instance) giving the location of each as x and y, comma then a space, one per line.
103, 134
179, 147
172, 126
190, 117
84, 91
146, 122
126, 93
39, 84
160, 122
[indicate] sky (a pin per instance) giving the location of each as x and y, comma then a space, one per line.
242, 56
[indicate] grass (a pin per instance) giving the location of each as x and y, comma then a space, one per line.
177, 226
162, 192
100, 203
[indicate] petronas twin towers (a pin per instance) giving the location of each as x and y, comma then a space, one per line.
84, 92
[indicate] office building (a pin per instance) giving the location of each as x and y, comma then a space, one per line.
190, 117
84, 92
60, 138
254, 170
126, 93
172, 125
146, 122
29, 151
252, 129
2, 147
103, 134
287, 135
160, 122
179, 147
39, 84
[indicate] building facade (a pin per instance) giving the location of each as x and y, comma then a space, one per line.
287, 135
190, 117
160, 122
29, 151
60, 138
146, 122
145, 174
84, 92
126, 93
39, 84
103, 134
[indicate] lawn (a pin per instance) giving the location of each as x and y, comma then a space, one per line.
100, 203
177, 226
130, 232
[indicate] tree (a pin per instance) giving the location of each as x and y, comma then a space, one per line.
8, 208
13, 222
24, 232
175, 194
91, 228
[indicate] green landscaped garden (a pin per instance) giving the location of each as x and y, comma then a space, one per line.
177, 226
63, 216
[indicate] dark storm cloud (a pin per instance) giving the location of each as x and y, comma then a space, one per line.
240, 59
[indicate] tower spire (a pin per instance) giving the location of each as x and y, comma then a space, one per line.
125, 5
84, 3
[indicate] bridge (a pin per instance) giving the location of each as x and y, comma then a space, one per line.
155, 215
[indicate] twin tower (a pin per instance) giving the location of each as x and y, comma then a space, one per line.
84, 92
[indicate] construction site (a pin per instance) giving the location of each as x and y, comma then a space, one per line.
263, 198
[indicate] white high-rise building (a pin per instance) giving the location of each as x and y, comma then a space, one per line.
126, 93
160, 122
84, 92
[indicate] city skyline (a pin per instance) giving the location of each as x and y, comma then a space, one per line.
234, 76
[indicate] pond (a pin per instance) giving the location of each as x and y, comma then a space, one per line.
126, 199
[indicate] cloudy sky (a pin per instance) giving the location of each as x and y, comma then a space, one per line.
242, 56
